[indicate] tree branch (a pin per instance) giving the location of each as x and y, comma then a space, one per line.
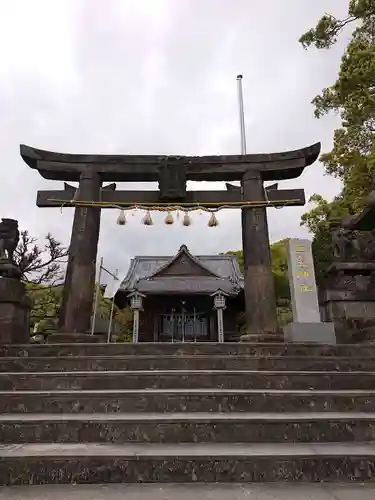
40, 265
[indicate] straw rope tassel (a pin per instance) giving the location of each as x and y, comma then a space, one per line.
121, 219
186, 221
169, 219
213, 222
147, 219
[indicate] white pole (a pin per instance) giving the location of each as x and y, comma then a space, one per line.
183, 324
111, 314
172, 322
96, 298
220, 325
194, 323
135, 326
241, 114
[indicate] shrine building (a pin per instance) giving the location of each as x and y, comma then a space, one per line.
183, 298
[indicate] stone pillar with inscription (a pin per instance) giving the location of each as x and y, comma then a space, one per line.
307, 325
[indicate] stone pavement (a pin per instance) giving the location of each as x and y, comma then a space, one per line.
271, 491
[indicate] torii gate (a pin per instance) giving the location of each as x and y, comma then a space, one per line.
172, 173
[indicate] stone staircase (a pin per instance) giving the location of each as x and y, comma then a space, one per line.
97, 413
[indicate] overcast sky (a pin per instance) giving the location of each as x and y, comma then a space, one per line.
158, 77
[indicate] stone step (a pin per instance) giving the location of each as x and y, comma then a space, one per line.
186, 379
190, 362
186, 400
187, 427
33, 463
182, 349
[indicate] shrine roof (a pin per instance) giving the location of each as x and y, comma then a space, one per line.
143, 275
187, 285
135, 168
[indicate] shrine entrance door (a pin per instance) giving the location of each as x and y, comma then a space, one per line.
183, 327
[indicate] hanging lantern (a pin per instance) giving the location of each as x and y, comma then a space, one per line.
121, 219
147, 220
186, 221
169, 219
213, 222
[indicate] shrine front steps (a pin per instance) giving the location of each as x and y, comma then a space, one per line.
188, 362
186, 400
197, 427
192, 424
186, 379
198, 462
186, 349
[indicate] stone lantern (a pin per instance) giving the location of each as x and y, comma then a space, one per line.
136, 305
220, 304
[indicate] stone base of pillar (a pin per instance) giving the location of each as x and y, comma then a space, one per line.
14, 312
70, 338
319, 333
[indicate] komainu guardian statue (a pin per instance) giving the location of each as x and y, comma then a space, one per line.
9, 238
345, 244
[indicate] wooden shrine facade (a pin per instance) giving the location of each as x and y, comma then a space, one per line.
172, 174
178, 296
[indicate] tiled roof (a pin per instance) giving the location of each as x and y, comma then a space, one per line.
187, 285
225, 267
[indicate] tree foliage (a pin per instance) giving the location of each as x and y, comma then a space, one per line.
279, 271
46, 304
41, 264
352, 97
325, 34
279, 267
43, 268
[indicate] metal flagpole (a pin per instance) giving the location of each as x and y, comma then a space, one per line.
96, 298
111, 314
242, 114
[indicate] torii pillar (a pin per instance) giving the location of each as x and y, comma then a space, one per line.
75, 316
260, 297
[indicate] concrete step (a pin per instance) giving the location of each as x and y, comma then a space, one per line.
209, 462
186, 379
179, 349
186, 400
187, 427
189, 362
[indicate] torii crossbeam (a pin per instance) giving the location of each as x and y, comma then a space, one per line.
172, 173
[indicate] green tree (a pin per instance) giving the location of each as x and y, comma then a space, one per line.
239, 257
279, 271
352, 97
279, 267
123, 317
45, 305
42, 266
